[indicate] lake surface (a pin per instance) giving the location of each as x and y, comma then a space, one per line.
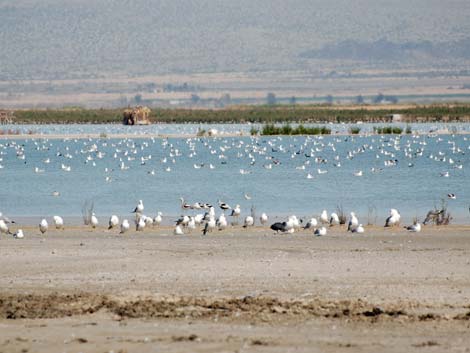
116, 173
192, 129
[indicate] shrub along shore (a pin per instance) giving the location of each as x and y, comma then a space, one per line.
256, 114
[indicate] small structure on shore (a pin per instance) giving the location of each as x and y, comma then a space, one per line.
136, 116
6, 117
394, 118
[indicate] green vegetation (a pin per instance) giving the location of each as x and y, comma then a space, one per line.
354, 130
408, 129
254, 131
255, 114
387, 130
201, 132
271, 129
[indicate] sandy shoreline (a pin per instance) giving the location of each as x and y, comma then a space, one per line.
236, 290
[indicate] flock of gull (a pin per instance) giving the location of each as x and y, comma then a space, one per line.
310, 157
265, 151
208, 222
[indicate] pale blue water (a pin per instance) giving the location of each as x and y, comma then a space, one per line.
280, 191
191, 129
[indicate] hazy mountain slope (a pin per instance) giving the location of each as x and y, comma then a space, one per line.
388, 52
80, 38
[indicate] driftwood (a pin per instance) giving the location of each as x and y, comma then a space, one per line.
341, 215
87, 211
438, 217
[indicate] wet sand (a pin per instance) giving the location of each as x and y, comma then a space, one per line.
236, 291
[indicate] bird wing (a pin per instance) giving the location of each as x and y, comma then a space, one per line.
387, 221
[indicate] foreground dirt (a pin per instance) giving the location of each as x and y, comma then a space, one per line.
235, 291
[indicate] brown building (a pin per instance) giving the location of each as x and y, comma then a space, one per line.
6, 117
136, 116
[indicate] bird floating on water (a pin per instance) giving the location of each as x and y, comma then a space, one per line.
224, 206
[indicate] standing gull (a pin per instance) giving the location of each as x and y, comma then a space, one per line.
353, 222
43, 226
263, 218
178, 230
4, 227
221, 222
124, 226
393, 219
210, 225
249, 221
324, 217
158, 219
140, 224
58, 222
139, 208
334, 219
94, 220
113, 221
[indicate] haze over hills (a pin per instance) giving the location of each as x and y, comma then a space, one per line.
97, 53
53, 39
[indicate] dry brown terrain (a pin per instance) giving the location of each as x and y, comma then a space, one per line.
236, 291
109, 91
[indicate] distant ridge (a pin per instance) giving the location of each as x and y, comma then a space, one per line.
387, 51
88, 39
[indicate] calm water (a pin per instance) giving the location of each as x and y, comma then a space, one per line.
191, 129
112, 173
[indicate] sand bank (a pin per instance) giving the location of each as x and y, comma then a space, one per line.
236, 290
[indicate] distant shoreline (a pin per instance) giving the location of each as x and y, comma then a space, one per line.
166, 136
293, 113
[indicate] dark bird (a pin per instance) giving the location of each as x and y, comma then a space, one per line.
279, 226
224, 206
185, 205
